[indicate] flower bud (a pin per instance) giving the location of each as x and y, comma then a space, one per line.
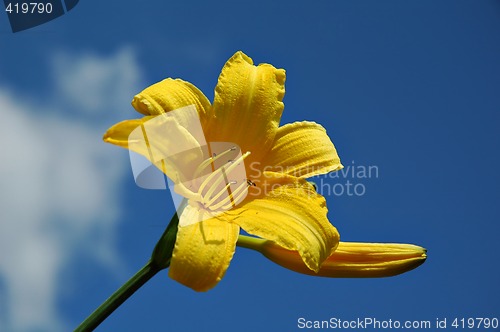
350, 259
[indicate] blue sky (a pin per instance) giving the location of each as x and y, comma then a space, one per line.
409, 87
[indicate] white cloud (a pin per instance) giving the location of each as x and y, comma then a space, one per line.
59, 183
96, 83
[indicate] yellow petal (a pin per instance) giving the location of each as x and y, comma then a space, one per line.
247, 105
351, 259
162, 140
291, 214
171, 94
192, 215
302, 149
118, 134
202, 253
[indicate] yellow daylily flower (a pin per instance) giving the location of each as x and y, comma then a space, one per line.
281, 205
273, 202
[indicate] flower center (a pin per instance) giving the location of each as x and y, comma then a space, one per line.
217, 188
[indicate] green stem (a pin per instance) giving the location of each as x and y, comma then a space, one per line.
118, 297
160, 259
249, 242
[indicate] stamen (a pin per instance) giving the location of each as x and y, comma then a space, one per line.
222, 191
234, 163
219, 171
213, 187
236, 199
210, 160
230, 199
215, 190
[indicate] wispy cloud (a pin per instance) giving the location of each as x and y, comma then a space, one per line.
96, 84
59, 184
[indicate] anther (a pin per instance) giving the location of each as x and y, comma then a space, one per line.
251, 183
